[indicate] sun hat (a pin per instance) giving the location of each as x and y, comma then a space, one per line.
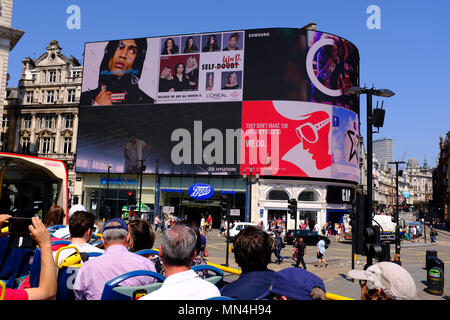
393, 279
75, 208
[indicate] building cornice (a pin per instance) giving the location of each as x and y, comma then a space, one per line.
13, 35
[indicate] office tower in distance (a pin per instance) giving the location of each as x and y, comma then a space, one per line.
384, 151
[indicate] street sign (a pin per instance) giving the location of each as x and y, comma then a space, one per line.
235, 212
168, 209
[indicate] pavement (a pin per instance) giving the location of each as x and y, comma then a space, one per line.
338, 256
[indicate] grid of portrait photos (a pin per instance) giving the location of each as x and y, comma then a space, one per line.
201, 67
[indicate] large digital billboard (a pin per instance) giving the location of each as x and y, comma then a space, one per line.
216, 103
176, 69
169, 138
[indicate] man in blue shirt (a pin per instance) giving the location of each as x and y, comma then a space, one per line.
252, 252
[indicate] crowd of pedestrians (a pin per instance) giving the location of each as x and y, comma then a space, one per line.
183, 247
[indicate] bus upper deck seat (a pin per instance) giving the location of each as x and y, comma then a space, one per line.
112, 290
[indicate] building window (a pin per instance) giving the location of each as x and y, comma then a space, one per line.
26, 145
4, 140
71, 95
45, 145
5, 121
278, 195
50, 96
47, 123
27, 122
307, 196
76, 73
52, 76
68, 121
29, 97
67, 145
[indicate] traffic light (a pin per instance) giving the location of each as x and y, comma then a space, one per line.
94, 194
292, 208
372, 246
131, 200
357, 223
224, 203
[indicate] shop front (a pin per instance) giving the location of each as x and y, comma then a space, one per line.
108, 198
273, 196
339, 203
190, 198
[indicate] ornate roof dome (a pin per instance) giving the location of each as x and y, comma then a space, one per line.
413, 163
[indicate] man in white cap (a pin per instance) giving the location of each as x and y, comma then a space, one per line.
385, 281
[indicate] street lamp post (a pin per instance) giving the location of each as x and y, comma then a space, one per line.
141, 171
397, 227
249, 181
107, 190
369, 92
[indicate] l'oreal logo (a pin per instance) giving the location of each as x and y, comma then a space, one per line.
216, 95
201, 191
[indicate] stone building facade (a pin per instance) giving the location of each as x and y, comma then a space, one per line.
8, 39
40, 116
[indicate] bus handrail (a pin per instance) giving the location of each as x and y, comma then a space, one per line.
330, 296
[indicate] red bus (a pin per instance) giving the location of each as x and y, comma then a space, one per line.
31, 185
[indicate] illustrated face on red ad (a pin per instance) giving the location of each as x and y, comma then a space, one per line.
300, 139
295, 135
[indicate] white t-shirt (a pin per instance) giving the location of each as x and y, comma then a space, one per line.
186, 285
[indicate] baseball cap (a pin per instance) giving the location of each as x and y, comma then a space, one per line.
122, 224
75, 208
294, 283
393, 279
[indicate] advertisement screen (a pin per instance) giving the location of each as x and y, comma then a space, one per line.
176, 69
300, 139
166, 139
300, 65
216, 103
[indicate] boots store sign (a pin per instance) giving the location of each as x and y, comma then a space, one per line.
201, 191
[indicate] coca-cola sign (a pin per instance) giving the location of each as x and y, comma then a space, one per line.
201, 191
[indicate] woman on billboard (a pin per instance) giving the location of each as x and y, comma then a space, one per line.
120, 72
170, 47
232, 82
180, 81
211, 46
166, 80
192, 72
190, 46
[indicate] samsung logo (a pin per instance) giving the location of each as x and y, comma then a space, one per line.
201, 191
257, 35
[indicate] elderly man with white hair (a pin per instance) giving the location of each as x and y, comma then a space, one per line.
116, 260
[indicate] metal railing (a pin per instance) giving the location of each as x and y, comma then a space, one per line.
330, 296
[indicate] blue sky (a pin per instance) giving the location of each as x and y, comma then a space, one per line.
409, 54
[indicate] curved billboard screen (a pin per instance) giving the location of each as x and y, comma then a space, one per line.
216, 103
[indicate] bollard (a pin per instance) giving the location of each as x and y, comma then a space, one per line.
435, 281
435, 262
429, 255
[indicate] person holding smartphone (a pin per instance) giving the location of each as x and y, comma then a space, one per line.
47, 279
